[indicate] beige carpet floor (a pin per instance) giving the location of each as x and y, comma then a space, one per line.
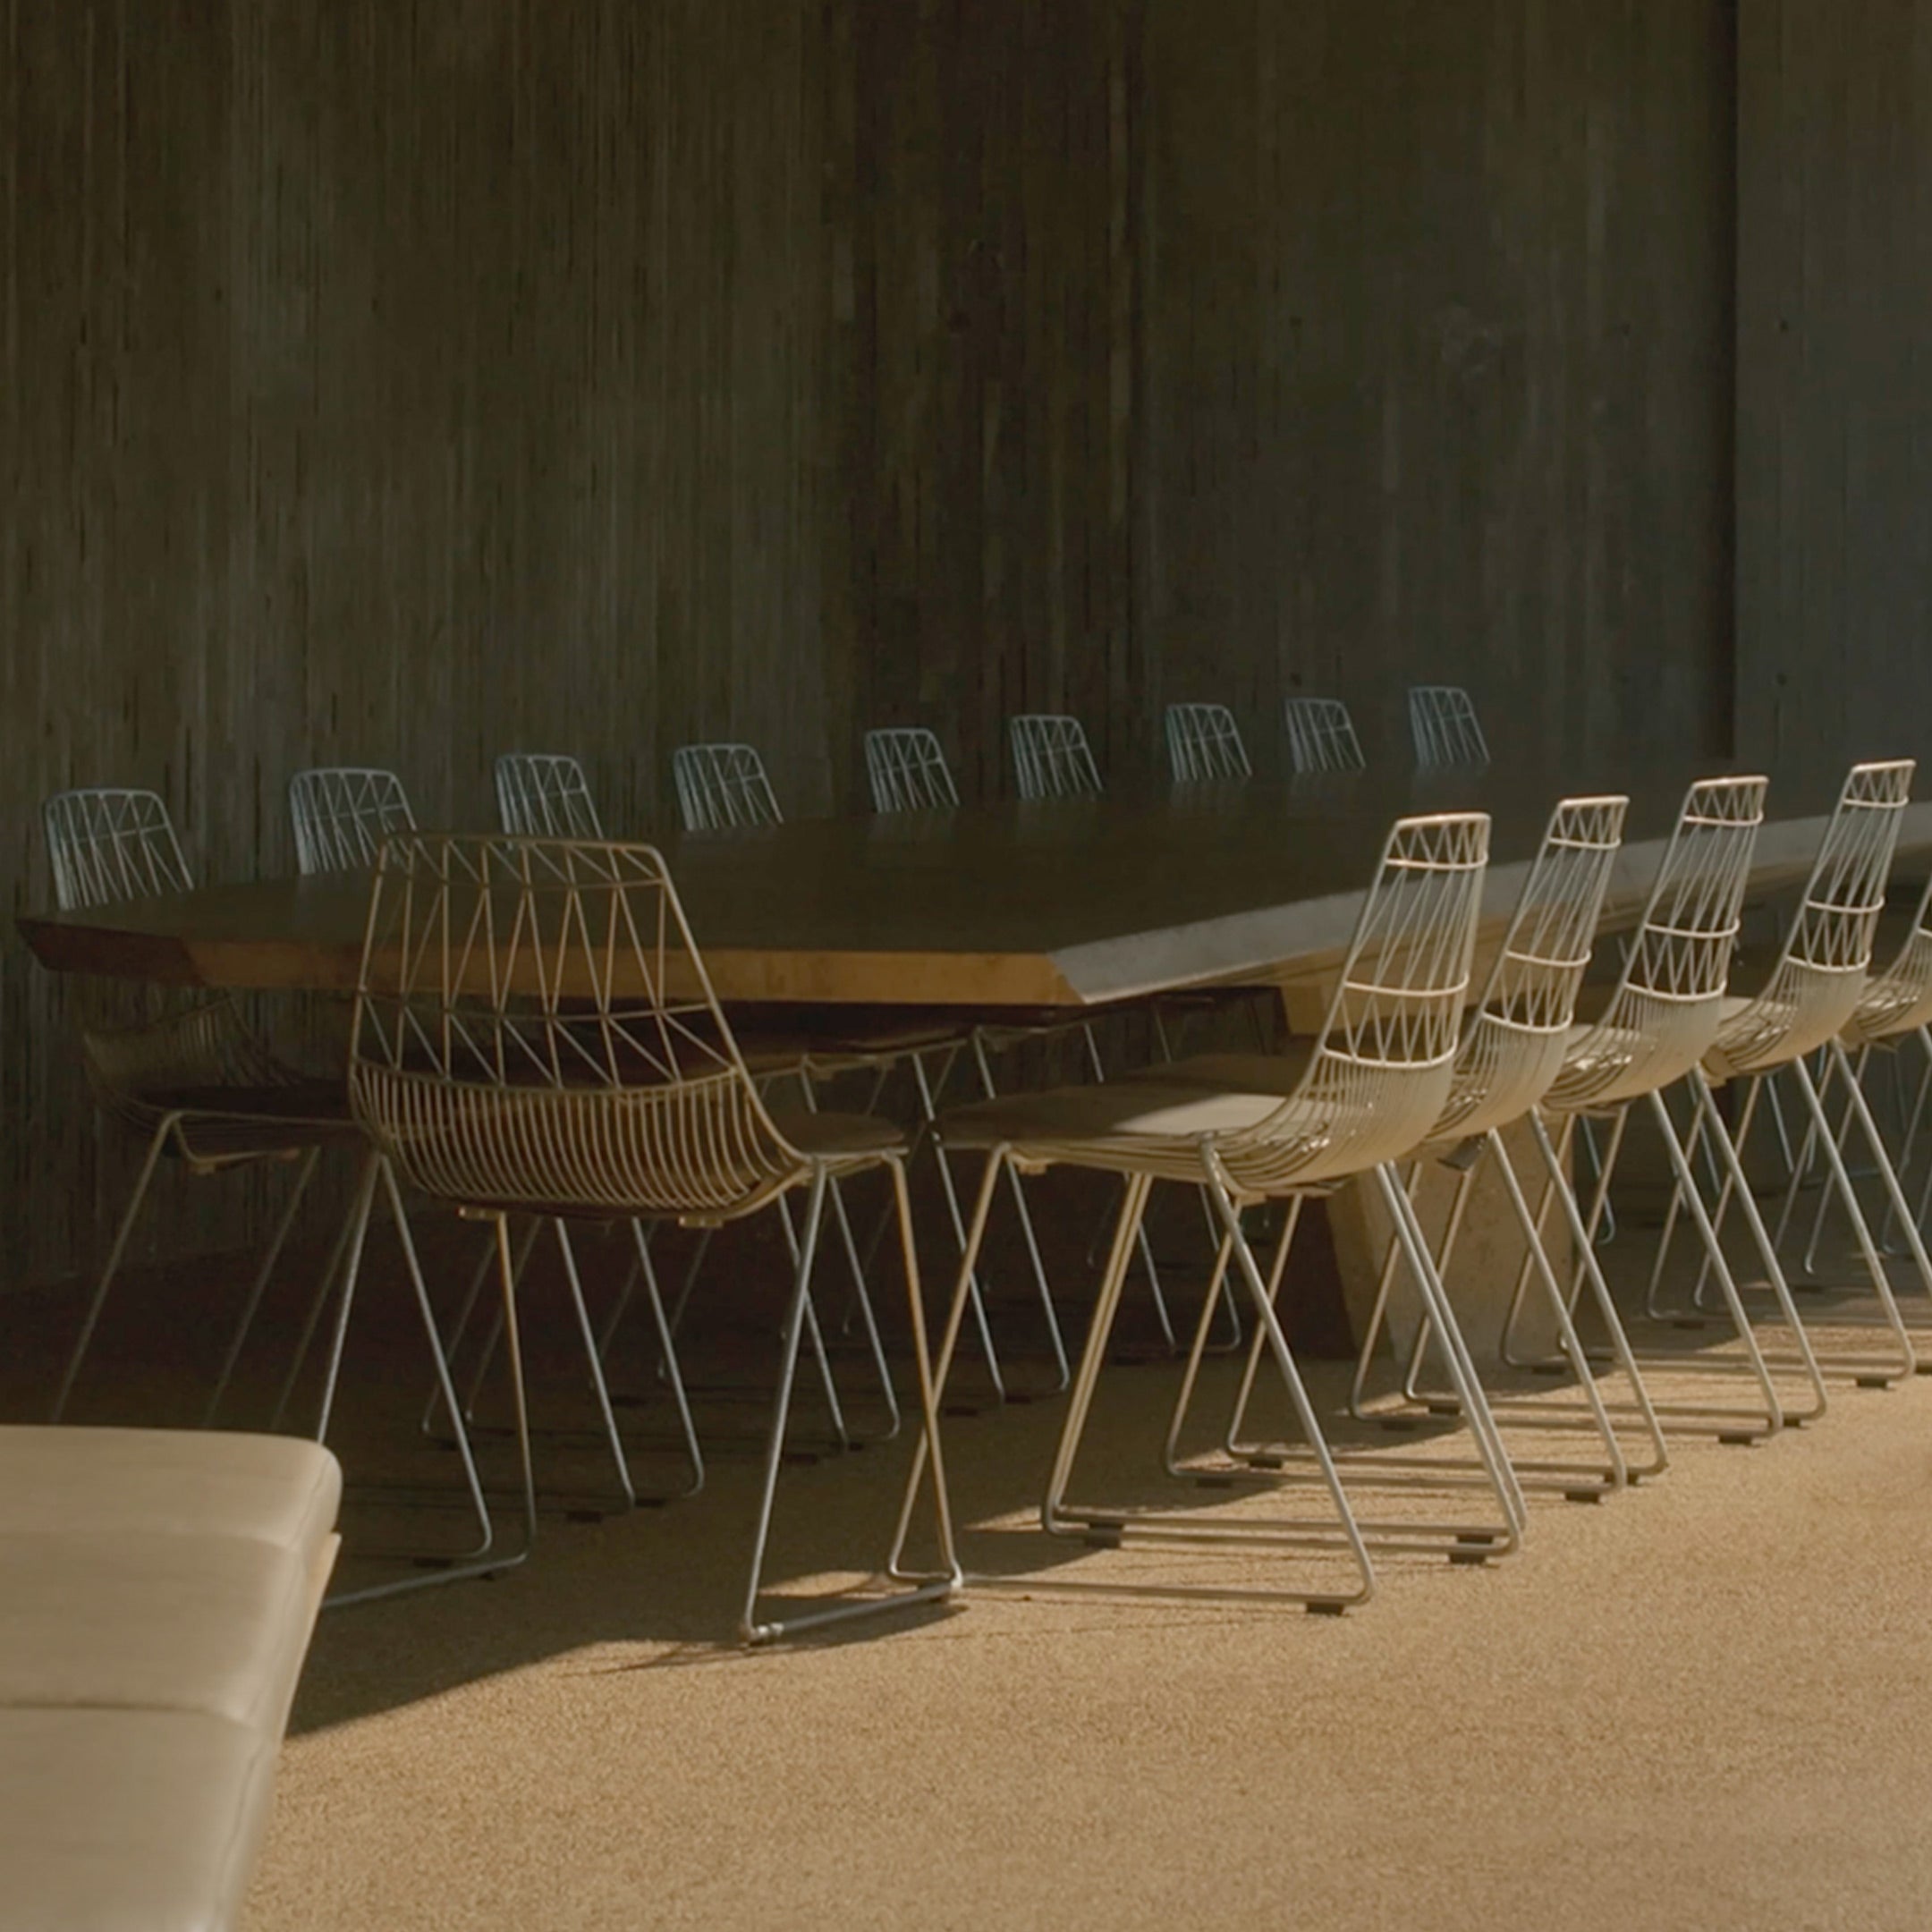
1705, 1704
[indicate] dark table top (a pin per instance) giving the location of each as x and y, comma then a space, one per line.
1059, 904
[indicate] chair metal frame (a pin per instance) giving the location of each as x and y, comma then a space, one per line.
544, 795
1895, 1007
1815, 992
534, 1031
908, 773
907, 770
1444, 727
163, 1078
1663, 1016
341, 814
1051, 756
1321, 736
1204, 742
722, 787
1370, 1086
1513, 1047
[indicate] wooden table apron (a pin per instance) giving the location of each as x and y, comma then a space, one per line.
1067, 904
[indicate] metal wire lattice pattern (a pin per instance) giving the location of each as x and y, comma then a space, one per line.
1667, 1005
1819, 978
544, 795
342, 813
1204, 741
1321, 736
109, 843
723, 786
907, 770
1513, 1045
1050, 756
1444, 724
534, 1027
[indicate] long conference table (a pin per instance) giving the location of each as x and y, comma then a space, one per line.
1059, 905
1062, 906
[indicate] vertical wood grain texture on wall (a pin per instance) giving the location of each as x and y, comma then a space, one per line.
1834, 379
393, 384
402, 381
1438, 362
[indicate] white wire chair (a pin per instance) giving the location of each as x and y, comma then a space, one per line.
548, 795
907, 770
1895, 1006
1444, 724
544, 795
1365, 1091
723, 786
1513, 1047
195, 1083
342, 813
1815, 992
1660, 1021
1204, 742
1321, 736
1050, 756
535, 1032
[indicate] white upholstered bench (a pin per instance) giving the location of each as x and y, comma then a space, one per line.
158, 1591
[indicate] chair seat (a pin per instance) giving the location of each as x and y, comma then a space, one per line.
857, 1137
1759, 1034
220, 1122
128, 1820
1164, 1112
274, 1489
1595, 1057
1278, 1073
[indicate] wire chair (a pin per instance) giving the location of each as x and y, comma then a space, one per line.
1815, 991
1204, 742
1660, 1019
1321, 736
1444, 724
908, 770
195, 1083
1366, 1091
1895, 1006
544, 795
342, 813
1513, 1047
534, 1031
723, 786
1050, 756
108, 844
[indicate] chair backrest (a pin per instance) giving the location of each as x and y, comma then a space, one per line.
544, 795
342, 813
109, 843
1051, 758
1898, 999
1443, 723
1682, 953
1204, 741
907, 770
1663, 1013
1398, 1002
533, 1023
722, 785
1513, 1046
1838, 917
1819, 979
1383, 1064
1321, 735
